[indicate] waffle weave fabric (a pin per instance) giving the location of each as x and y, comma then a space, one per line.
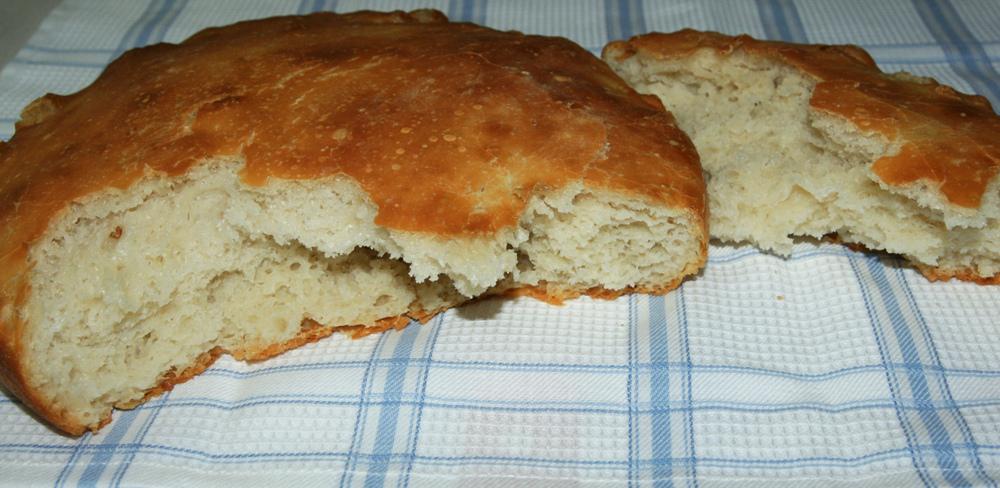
828, 368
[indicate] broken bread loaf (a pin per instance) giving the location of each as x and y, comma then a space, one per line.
259, 185
809, 140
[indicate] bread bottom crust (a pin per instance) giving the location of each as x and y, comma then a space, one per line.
556, 296
312, 331
932, 273
942, 274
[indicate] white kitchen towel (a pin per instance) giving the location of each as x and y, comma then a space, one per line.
828, 368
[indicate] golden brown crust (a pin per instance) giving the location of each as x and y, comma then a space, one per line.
170, 379
929, 272
359, 331
941, 274
557, 295
386, 104
310, 331
948, 139
478, 119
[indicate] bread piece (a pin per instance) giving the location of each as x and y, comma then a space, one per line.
260, 185
807, 140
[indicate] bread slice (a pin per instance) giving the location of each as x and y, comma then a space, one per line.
809, 140
261, 185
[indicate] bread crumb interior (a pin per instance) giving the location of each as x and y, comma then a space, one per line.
131, 286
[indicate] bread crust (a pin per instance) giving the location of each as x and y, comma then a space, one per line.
930, 272
480, 119
942, 274
948, 140
312, 331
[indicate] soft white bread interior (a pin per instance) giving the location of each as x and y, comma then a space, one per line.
812, 141
133, 284
264, 184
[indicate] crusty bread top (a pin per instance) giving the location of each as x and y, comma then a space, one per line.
449, 127
948, 140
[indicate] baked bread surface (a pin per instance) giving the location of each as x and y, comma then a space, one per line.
437, 136
931, 153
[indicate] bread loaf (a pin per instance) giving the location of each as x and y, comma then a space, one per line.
261, 185
813, 141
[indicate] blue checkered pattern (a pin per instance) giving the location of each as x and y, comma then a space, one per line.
828, 368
